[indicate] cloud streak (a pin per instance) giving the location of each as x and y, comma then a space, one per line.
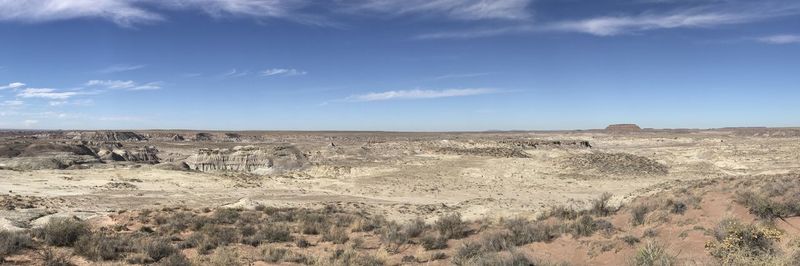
128, 13
454, 9
283, 72
46, 93
124, 85
13, 86
417, 94
120, 68
780, 39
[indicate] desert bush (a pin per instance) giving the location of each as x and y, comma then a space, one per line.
213, 236
639, 214
600, 205
415, 227
273, 255
367, 224
430, 242
768, 209
393, 237
302, 243
650, 232
451, 226
524, 231
587, 226
101, 246
158, 249
561, 212
676, 207
350, 257
489, 259
734, 241
12, 242
224, 256
50, 257
176, 259
496, 241
62, 231
653, 254
335, 234
226, 216
269, 234
468, 252
630, 240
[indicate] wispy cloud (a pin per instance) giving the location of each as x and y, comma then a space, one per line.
417, 94
124, 85
13, 86
454, 9
706, 16
780, 39
120, 68
46, 93
129, 13
12, 103
234, 73
30, 122
283, 72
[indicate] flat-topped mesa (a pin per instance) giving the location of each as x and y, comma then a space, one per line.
623, 128
249, 159
539, 144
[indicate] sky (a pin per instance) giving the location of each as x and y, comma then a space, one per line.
398, 65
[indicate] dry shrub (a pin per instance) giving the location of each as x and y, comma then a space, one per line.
451, 226
335, 234
639, 214
63, 232
431, 242
50, 257
101, 246
735, 243
12, 242
524, 231
157, 249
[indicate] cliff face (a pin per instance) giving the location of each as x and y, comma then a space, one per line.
140, 155
112, 136
249, 159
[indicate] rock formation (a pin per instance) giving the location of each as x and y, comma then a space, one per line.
251, 159
623, 128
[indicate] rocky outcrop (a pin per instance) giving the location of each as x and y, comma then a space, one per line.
486, 151
139, 155
250, 159
203, 137
539, 144
124, 136
37, 156
615, 164
618, 128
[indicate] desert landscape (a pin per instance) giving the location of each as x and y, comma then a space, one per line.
615, 196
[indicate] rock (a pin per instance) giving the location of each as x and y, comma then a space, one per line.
538, 144
615, 164
173, 166
619, 128
124, 136
203, 137
251, 159
486, 151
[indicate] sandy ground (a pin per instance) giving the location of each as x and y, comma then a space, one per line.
401, 179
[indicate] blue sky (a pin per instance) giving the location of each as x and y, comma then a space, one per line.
412, 65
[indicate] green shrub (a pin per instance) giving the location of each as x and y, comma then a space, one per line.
63, 231
653, 254
734, 240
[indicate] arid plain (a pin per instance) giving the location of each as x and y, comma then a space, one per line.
616, 196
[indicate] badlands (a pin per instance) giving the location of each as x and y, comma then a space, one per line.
619, 196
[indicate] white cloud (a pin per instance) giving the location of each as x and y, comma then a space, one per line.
30, 122
283, 72
454, 9
459, 76
780, 39
417, 94
131, 12
124, 85
13, 85
46, 93
12, 103
233, 73
120, 68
